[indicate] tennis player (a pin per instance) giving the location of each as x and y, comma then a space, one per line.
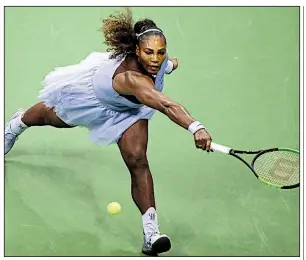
114, 94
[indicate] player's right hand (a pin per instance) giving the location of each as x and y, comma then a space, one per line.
202, 140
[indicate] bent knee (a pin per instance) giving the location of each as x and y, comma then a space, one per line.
52, 119
136, 161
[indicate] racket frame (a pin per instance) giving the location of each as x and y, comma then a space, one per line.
258, 153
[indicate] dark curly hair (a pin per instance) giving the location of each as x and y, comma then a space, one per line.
120, 32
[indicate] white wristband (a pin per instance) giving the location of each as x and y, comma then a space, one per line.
169, 67
195, 126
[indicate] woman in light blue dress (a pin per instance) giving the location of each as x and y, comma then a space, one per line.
114, 94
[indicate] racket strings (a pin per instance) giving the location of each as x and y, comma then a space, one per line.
278, 167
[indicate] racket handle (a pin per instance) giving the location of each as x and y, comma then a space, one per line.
220, 148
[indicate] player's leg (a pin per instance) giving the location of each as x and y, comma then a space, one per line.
133, 148
38, 115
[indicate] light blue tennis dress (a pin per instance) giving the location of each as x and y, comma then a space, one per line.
83, 95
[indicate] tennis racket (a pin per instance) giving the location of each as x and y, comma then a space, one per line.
277, 167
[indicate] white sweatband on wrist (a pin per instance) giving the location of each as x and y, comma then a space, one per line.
169, 67
195, 126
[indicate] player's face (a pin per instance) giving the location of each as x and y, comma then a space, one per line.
151, 53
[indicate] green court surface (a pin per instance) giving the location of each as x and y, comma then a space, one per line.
238, 74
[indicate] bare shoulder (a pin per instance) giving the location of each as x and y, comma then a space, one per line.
133, 79
126, 81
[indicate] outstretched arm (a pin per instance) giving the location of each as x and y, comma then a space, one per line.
143, 89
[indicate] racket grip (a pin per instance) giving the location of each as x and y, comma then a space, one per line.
220, 148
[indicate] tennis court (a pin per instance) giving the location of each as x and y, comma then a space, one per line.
238, 74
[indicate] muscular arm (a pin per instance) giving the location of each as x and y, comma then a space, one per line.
143, 89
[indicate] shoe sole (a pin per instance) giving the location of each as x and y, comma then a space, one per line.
161, 245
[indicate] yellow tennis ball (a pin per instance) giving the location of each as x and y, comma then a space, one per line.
114, 208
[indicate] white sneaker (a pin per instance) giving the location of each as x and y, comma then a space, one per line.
10, 137
154, 244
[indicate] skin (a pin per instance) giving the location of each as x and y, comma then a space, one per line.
151, 53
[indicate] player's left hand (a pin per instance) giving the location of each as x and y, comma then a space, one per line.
175, 63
